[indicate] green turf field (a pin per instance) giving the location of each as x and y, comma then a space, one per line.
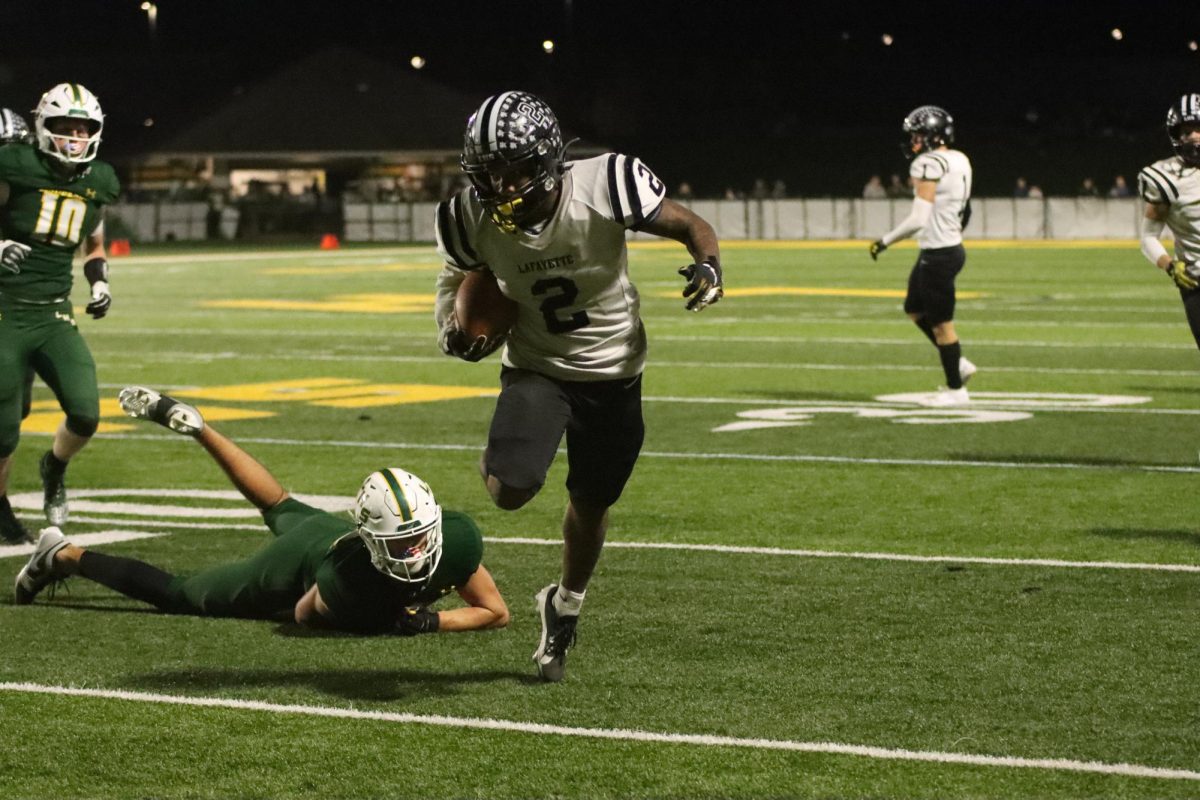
814, 587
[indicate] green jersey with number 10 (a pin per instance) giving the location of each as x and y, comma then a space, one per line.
50, 213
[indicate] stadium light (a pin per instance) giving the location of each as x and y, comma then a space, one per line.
548, 46
151, 10
1117, 34
148, 122
417, 62
887, 40
1193, 45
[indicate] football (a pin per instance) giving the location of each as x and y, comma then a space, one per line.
481, 308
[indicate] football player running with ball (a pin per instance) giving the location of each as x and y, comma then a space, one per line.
52, 193
553, 233
941, 209
1171, 189
374, 574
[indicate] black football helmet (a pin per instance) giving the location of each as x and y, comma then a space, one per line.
13, 128
1185, 112
926, 128
513, 152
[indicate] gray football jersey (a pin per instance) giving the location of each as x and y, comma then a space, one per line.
578, 311
1172, 183
952, 171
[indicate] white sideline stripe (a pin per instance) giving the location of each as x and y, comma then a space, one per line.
326, 334
618, 734
83, 539
396, 359
778, 551
793, 457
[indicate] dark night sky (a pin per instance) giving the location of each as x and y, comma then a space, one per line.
711, 92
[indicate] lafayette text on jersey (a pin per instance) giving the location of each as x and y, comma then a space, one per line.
578, 311
952, 171
1172, 183
52, 214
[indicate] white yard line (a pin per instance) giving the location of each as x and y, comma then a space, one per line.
617, 734
764, 457
778, 551
107, 537
230, 355
326, 334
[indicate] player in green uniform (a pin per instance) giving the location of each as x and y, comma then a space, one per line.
52, 193
375, 573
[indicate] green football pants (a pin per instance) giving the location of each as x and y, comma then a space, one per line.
44, 338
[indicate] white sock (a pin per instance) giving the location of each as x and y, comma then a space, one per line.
568, 603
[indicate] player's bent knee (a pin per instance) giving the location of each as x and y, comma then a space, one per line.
507, 497
84, 426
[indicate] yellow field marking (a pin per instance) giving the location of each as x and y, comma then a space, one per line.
47, 416
348, 303
811, 291
399, 266
862, 244
337, 392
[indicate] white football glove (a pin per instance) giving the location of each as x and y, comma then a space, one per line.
12, 254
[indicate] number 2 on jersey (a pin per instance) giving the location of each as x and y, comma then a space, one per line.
60, 219
565, 295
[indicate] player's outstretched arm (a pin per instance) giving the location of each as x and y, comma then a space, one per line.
485, 606
706, 281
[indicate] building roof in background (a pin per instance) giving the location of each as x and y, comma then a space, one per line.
335, 103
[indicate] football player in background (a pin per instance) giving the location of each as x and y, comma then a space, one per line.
553, 233
52, 193
13, 128
374, 574
941, 209
1171, 189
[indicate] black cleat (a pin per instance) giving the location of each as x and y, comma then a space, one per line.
11, 529
558, 635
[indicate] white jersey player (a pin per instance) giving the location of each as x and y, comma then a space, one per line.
553, 233
578, 317
941, 209
1171, 189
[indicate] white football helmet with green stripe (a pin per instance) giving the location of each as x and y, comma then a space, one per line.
401, 524
72, 101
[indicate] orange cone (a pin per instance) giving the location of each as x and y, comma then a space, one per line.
118, 247
330, 242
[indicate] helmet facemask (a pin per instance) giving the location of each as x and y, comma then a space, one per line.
81, 111
513, 153
401, 525
1183, 119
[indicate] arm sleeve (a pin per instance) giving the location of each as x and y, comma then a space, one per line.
1156, 186
929, 167
453, 240
1152, 248
916, 219
627, 192
448, 281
